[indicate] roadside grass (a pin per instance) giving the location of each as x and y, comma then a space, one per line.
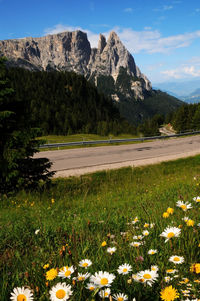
75, 215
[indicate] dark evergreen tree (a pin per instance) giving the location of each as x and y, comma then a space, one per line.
18, 169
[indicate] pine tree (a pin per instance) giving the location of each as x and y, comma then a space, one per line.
18, 168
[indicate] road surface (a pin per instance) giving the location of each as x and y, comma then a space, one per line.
78, 161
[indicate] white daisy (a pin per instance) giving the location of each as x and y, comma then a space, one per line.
60, 291
154, 268
66, 272
111, 250
147, 276
197, 199
120, 297
91, 286
135, 220
21, 293
102, 279
124, 269
140, 237
183, 206
135, 244
168, 279
82, 277
152, 225
145, 233
171, 271
185, 218
152, 252
170, 232
85, 263
105, 293
176, 259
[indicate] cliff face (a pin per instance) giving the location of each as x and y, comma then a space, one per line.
71, 51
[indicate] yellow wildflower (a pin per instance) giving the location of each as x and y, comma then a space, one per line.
169, 293
190, 223
170, 210
104, 243
165, 214
46, 266
51, 274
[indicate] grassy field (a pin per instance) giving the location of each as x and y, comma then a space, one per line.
68, 222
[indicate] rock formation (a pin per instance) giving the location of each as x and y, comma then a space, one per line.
71, 51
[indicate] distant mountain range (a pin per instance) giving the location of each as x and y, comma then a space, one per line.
109, 66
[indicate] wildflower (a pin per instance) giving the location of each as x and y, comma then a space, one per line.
52, 201
82, 277
66, 272
170, 210
152, 252
105, 293
169, 293
167, 279
146, 225
170, 232
195, 268
145, 233
120, 297
21, 294
91, 286
171, 271
196, 199
152, 225
147, 276
51, 274
85, 263
46, 266
154, 268
102, 279
185, 219
135, 244
135, 220
165, 214
176, 259
104, 243
183, 206
190, 223
60, 291
124, 269
111, 250
37, 231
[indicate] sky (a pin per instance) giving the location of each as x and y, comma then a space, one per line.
162, 35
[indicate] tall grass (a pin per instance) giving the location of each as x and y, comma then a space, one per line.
74, 216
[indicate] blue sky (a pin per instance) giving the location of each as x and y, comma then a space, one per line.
162, 35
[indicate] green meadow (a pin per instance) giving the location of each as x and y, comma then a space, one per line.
63, 223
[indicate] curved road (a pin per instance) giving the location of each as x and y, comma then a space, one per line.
72, 162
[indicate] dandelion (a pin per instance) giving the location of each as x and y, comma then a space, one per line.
124, 269
147, 276
60, 291
51, 274
102, 279
176, 259
105, 293
111, 250
169, 293
46, 266
85, 263
66, 272
152, 252
120, 297
165, 215
170, 210
170, 232
190, 223
21, 294
104, 243
183, 206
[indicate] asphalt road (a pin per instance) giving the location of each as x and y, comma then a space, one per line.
79, 161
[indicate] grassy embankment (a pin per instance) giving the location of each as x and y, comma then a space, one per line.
74, 216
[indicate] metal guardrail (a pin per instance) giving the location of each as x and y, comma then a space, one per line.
57, 145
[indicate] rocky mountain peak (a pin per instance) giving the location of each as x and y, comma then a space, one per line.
71, 51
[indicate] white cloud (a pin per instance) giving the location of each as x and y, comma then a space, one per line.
163, 8
149, 41
183, 71
167, 7
128, 10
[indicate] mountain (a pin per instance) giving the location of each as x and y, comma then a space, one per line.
179, 88
109, 66
193, 97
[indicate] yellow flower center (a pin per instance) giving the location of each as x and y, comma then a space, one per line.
80, 278
170, 234
184, 207
176, 259
104, 281
152, 252
21, 297
125, 270
147, 276
91, 288
67, 273
120, 299
141, 280
106, 294
170, 271
85, 264
60, 294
